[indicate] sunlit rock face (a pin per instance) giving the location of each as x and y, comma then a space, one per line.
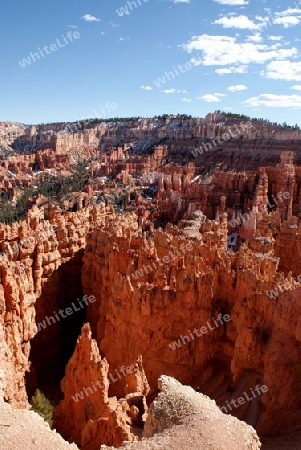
87, 415
150, 307
197, 272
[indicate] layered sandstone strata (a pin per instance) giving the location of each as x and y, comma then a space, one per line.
62, 137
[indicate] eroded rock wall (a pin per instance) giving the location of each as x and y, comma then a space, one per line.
150, 307
35, 255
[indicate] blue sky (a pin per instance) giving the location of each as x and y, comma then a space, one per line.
160, 56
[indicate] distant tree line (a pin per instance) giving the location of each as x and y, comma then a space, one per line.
93, 121
257, 119
54, 188
118, 119
167, 116
172, 116
6, 152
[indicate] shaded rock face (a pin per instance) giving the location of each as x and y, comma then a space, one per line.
61, 290
10, 132
87, 416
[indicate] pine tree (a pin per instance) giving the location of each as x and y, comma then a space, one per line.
41, 405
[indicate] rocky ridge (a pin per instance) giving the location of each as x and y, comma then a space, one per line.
191, 421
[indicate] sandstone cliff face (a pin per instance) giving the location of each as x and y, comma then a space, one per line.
147, 312
9, 132
182, 190
87, 415
144, 312
63, 137
38, 258
154, 286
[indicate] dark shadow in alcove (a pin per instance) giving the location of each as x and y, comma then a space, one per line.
53, 346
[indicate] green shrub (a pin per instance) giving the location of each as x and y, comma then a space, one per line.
41, 405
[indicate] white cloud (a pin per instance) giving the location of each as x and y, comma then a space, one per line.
275, 38
211, 97
289, 12
241, 22
89, 18
174, 91
288, 18
232, 2
225, 50
223, 71
287, 22
72, 26
237, 88
264, 21
181, 1
283, 70
169, 91
275, 101
196, 61
296, 87
147, 88
238, 69
255, 38
187, 100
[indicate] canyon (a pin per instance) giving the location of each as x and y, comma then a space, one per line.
166, 240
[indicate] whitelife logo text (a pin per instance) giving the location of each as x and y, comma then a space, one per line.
220, 320
33, 57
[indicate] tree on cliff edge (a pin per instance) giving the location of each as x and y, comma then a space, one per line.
41, 405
